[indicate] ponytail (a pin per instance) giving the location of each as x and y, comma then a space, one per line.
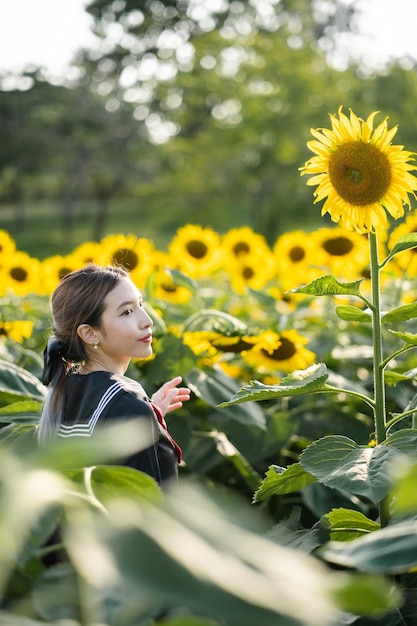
54, 374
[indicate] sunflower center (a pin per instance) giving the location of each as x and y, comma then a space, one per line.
365, 273
236, 348
18, 274
338, 246
241, 247
285, 351
248, 272
360, 173
197, 249
169, 288
297, 254
63, 271
126, 258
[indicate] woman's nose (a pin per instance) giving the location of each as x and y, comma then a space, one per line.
146, 320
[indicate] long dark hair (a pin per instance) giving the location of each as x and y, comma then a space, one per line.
78, 299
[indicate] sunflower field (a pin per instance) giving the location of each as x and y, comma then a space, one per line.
296, 503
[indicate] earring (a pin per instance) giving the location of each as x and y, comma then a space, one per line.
96, 342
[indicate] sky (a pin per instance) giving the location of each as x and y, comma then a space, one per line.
47, 33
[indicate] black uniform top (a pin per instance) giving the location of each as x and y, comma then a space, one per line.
99, 398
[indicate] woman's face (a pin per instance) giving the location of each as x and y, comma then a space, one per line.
125, 331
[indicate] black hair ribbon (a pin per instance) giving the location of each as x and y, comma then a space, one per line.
52, 359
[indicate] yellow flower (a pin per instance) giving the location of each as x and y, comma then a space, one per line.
253, 271
212, 342
295, 259
7, 245
164, 288
90, 252
131, 253
289, 355
239, 243
341, 252
360, 173
234, 370
196, 250
17, 330
54, 268
21, 274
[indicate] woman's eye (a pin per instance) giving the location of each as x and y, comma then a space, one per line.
127, 312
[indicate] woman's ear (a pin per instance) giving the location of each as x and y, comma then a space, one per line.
86, 333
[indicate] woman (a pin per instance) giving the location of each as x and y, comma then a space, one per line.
99, 325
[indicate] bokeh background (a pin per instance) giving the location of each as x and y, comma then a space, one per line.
139, 116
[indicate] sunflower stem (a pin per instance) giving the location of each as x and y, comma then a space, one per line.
378, 362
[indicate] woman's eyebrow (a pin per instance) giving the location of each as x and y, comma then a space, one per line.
126, 303
130, 302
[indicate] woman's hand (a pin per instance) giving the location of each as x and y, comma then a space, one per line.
170, 397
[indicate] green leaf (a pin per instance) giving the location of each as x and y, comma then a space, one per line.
338, 462
299, 382
352, 314
406, 242
404, 440
190, 620
400, 314
159, 327
279, 481
214, 320
23, 435
182, 280
290, 532
347, 524
18, 384
226, 448
390, 550
22, 411
109, 481
329, 286
56, 593
405, 490
392, 378
369, 595
409, 338
214, 387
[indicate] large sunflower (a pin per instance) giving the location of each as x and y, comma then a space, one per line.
360, 173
